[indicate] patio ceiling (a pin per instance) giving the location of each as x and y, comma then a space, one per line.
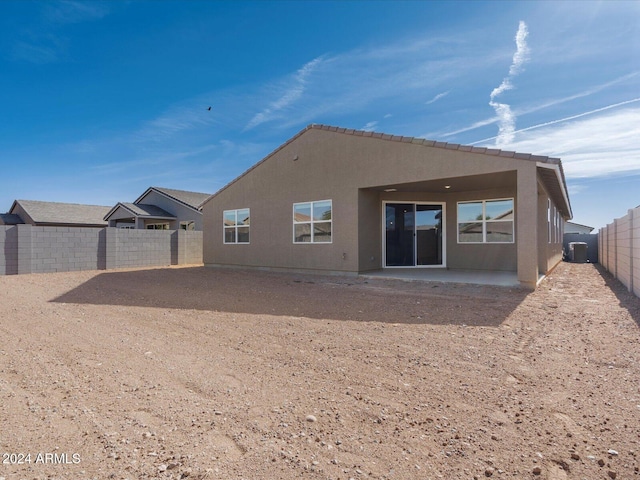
456, 184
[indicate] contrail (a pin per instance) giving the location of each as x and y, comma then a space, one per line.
506, 118
572, 117
526, 111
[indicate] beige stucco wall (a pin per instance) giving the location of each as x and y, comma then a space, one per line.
351, 171
549, 252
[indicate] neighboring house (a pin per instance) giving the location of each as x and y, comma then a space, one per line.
58, 214
159, 209
570, 227
338, 200
10, 219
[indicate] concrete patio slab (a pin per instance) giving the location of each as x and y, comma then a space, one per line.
503, 279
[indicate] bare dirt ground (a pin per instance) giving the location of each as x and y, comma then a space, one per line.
202, 373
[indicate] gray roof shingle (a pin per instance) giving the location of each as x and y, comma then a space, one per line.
63, 213
190, 199
144, 210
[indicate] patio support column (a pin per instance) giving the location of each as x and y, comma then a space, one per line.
527, 226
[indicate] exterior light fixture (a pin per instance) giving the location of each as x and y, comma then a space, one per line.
390, 189
447, 187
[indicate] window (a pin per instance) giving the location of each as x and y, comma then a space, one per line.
189, 225
312, 222
236, 226
548, 221
486, 221
157, 226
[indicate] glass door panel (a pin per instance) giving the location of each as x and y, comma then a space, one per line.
413, 235
399, 231
428, 234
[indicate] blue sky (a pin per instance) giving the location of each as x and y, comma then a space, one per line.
101, 100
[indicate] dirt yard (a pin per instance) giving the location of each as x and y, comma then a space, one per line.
201, 373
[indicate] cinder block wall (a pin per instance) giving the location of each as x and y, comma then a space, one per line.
192, 246
64, 249
31, 249
8, 250
620, 251
142, 248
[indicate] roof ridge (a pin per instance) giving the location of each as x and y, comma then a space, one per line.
63, 203
179, 190
433, 143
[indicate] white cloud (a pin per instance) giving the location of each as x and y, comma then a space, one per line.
36, 51
542, 106
70, 11
370, 126
561, 120
604, 145
437, 97
44, 43
182, 117
292, 93
506, 118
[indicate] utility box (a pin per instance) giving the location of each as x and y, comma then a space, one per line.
578, 252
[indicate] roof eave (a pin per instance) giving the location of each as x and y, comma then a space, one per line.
556, 165
164, 194
113, 210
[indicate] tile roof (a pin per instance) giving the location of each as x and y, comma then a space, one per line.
63, 213
403, 139
190, 199
142, 210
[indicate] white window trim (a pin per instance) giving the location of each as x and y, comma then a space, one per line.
484, 222
444, 234
311, 222
235, 227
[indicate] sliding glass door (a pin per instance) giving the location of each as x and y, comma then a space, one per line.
413, 235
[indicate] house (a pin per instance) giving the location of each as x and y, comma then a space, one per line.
347, 201
571, 227
10, 219
159, 209
38, 213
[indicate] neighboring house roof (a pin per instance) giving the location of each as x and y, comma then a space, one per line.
190, 199
579, 225
552, 175
141, 210
56, 213
10, 219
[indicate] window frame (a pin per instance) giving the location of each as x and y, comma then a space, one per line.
235, 227
155, 226
484, 221
549, 232
312, 222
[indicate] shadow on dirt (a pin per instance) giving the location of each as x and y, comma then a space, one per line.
299, 295
627, 300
